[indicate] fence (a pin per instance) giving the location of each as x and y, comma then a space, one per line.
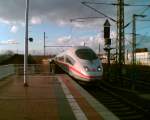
32, 69
131, 76
6, 70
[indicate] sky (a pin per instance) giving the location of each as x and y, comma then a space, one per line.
54, 18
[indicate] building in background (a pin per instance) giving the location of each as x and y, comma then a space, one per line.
142, 57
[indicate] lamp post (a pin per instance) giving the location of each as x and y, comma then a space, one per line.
44, 44
26, 44
134, 37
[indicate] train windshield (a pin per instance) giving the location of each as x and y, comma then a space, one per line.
86, 54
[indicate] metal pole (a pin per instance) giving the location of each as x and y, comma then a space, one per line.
134, 49
26, 44
133, 39
108, 55
84, 43
99, 48
117, 36
123, 40
44, 43
133, 52
121, 33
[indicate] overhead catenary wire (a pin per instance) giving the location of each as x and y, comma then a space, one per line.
143, 27
114, 4
58, 46
144, 20
148, 7
84, 3
83, 18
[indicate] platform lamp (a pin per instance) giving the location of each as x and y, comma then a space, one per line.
26, 43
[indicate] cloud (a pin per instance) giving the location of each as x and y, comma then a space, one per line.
91, 41
36, 20
4, 21
58, 11
14, 29
8, 42
64, 39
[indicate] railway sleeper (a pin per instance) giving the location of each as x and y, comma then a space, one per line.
135, 117
108, 99
127, 113
116, 105
112, 102
121, 109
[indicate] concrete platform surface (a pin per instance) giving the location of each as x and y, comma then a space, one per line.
48, 98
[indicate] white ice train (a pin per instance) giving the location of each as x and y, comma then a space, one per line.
81, 63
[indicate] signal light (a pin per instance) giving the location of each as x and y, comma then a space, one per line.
99, 68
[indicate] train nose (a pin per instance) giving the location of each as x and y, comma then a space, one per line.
89, 69
92, 69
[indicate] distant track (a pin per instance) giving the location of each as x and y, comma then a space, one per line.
17, 59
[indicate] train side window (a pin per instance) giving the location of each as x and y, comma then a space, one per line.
61, 58
70, 60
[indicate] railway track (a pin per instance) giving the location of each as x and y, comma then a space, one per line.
124, 108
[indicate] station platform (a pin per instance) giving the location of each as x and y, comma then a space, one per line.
55, 97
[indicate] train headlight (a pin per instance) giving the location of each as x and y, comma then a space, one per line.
86, 68
99, 68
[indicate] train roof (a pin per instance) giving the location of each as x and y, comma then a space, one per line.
72, 50
79, 47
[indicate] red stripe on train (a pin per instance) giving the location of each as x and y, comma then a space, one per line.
75, 70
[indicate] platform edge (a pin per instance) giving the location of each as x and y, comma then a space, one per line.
100, 108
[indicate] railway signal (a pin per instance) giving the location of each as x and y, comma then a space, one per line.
107, 33
106, 29
107, 38
107, 42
